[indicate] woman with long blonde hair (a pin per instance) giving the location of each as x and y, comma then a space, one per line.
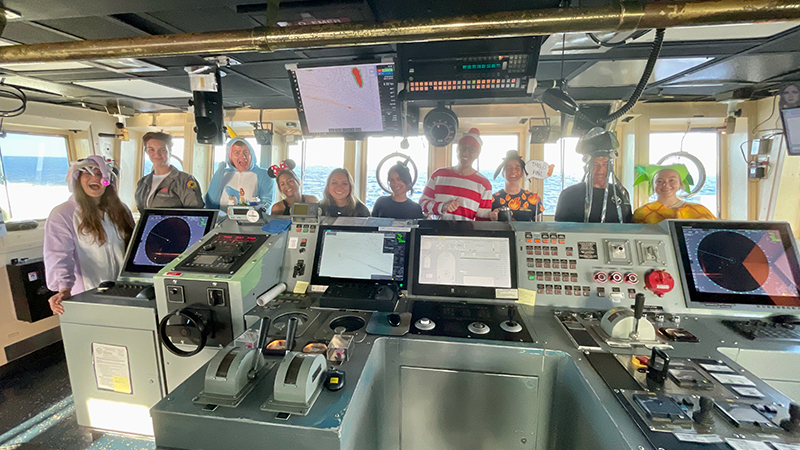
86, 236
339, 199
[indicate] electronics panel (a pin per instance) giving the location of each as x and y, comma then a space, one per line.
791, 129
472, 68
224, 253
163, 234
464, 260
356, 254
598, 266
745, 266
354, 101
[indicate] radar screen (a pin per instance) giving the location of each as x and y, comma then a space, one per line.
740, 263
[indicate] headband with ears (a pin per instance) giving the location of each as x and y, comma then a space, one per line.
275, 169
511, 155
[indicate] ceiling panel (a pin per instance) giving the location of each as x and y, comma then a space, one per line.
747, 68
136, 88
628, 73
197, 20
26, 33
93, 27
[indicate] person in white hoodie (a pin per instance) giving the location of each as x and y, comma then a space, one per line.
240, 179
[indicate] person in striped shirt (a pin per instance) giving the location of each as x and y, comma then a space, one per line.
459, 192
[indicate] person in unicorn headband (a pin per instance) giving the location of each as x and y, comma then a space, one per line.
289, 186
239, 179
666, 182
86, 236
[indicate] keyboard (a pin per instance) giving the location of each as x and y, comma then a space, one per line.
128, 290
370, 297
764, 329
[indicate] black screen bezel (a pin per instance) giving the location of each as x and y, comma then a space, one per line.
460, 291
695, 299
134, 270
350, 135
317, 279
786, 134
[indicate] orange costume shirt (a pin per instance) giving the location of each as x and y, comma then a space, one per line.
655, 212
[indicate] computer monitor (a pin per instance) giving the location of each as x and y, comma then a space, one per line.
352, 254
791, 129
459, 260
353, 101
741, 266
161, 235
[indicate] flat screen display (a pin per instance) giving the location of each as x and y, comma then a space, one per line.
462, 261
360, 254
163, 234
738, 263
791, 129
357, 99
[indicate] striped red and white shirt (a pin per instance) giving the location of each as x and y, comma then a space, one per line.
474, 194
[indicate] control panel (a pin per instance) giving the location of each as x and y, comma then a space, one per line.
300, 248
225, 253
591, 266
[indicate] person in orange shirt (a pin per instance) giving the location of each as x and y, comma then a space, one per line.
666, 183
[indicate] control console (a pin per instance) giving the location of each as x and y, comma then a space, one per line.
224, 253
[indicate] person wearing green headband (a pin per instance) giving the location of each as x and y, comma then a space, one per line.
665, 182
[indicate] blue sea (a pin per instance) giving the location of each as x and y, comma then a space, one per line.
34, 170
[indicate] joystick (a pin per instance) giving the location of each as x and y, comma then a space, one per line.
511, 325
291, 331
792, 424
703, 417
638, 310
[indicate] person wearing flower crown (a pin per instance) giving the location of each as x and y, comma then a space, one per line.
666, 182
86, 236
290, 188
525, 205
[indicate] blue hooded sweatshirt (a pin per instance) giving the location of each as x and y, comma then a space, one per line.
228, 182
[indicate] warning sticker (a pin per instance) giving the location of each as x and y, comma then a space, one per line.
112, 371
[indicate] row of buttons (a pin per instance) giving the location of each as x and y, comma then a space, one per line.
555, 263
615, 291
556, 289
539, 250
545, 238
550, 276
306, 228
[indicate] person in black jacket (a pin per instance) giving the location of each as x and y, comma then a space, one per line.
398, 205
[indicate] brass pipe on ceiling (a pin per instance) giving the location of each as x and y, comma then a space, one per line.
624, 16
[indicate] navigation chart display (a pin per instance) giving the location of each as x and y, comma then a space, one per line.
740, 265
163, 235
465, 261
341, 100
362, 255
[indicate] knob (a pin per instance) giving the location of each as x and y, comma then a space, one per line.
425, 324
615, 277
659, 282
394, 319
631, 278
209, 247
703, 417
227, 259
600, 277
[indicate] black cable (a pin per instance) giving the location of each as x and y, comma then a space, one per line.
632, 37
9, 91
637, 93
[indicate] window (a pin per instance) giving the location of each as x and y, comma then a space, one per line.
176, 159
568, 170
34, 175
703, 146
380, 147
321, 155
493, 151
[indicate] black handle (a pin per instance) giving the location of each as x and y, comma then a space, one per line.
262, 334
291, 330
512, 311
638, 307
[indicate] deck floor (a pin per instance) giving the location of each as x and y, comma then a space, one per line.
37, 412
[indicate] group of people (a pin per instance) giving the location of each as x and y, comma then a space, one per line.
86, 237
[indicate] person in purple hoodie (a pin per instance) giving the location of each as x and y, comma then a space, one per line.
86, 236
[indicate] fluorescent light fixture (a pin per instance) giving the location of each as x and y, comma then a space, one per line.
128, 65
137, 88
44, 66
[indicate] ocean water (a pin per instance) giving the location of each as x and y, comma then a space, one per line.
31, 169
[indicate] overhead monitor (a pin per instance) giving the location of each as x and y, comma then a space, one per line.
791, 129
352, 254
161, 235
741, 266
458, 260
354, 101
